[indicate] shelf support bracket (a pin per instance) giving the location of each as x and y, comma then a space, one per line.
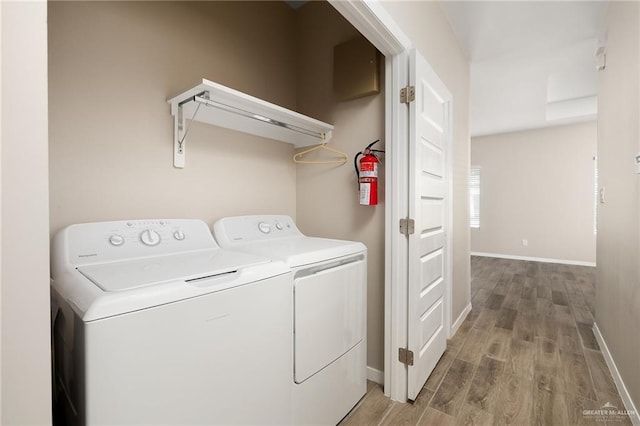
179, 139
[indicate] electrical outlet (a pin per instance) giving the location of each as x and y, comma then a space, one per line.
525, 242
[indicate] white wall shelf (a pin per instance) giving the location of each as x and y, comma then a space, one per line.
213, 103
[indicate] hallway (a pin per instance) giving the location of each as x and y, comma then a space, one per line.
525, 355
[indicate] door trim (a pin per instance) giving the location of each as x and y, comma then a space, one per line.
374, 22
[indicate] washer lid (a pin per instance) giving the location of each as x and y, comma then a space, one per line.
132, 274
300, 251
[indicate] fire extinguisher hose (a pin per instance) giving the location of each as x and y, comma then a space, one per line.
355, 164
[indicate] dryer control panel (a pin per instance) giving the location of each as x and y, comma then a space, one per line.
242, 229
111, 241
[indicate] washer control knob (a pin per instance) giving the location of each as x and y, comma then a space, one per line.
279, 226
150, 237
264, 227
178, 235
116, 240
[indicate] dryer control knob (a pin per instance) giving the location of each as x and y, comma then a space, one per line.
116, 240
150, 237
279, 226
178, 235
264, 227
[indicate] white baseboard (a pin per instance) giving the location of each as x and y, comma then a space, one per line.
535, 259
617, 378
375, 375
463, 315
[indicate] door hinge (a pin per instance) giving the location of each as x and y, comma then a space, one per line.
407, 94
405, 356
407, 226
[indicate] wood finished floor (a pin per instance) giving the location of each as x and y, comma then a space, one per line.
525, 355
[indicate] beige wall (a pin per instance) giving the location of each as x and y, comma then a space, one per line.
327, 195
618, 251
112, 65
429, 30
25, 393
537, 185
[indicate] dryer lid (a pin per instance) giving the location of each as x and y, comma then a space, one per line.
132, 274
300, 251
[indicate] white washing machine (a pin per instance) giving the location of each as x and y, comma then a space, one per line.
155, 324
329, 287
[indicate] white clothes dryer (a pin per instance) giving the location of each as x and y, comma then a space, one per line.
156, 324
329, 293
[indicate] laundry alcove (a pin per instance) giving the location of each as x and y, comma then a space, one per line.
111, 146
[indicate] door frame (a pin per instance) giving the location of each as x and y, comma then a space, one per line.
374, 22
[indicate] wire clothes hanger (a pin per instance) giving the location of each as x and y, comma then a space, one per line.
342, 157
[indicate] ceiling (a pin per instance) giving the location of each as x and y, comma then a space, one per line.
532, 62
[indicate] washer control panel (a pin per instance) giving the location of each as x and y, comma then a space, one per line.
108, 241
242, 229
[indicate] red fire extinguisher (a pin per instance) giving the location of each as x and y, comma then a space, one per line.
367, 175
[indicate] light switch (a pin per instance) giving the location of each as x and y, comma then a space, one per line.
601, 195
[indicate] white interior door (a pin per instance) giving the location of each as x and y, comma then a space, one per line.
429, 136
